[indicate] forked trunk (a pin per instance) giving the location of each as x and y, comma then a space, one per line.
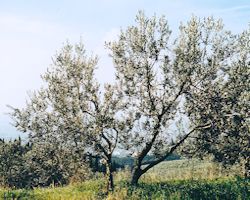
136, 174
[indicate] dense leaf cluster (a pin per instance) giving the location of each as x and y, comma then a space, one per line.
25, 165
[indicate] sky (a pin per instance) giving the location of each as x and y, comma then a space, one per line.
32, 31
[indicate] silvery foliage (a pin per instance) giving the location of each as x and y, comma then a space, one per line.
146, 82
160, 79
70, 111
224, 101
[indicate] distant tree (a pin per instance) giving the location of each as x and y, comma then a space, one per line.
224, 101
72, 111
50, 164
13, 171
27, 165
155, 77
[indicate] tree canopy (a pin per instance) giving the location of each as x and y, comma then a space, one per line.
202, 74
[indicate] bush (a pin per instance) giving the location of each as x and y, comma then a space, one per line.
44, 164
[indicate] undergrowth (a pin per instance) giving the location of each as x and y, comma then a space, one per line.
175, 180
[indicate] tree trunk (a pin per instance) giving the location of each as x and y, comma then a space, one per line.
96, 164
136, 174
247, 168
109, 175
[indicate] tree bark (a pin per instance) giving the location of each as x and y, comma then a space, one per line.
247, 168
136, 174
109, 175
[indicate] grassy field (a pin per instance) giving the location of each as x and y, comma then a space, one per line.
189, 170
181, 179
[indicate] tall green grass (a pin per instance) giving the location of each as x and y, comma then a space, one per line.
93, 189
189, 169
173, 180
220, 189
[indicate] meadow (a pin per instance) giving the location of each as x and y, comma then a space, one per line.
174, 180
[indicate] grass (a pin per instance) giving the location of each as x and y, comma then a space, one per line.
92, 189
193, 189
189, 170
173, 180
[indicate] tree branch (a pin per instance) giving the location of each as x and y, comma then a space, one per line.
156, 128
173, 148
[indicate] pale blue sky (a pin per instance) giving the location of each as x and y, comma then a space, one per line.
31, 32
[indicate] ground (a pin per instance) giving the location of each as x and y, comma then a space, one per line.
180, 179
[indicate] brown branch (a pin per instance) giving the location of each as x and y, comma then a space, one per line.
107, 140
150, 144
85, 111
173, 148
156, 128
165, 109
103, 150
116, 140
149, 86
95, 104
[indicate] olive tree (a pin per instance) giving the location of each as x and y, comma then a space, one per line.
155, 76
71, 111
224, 101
